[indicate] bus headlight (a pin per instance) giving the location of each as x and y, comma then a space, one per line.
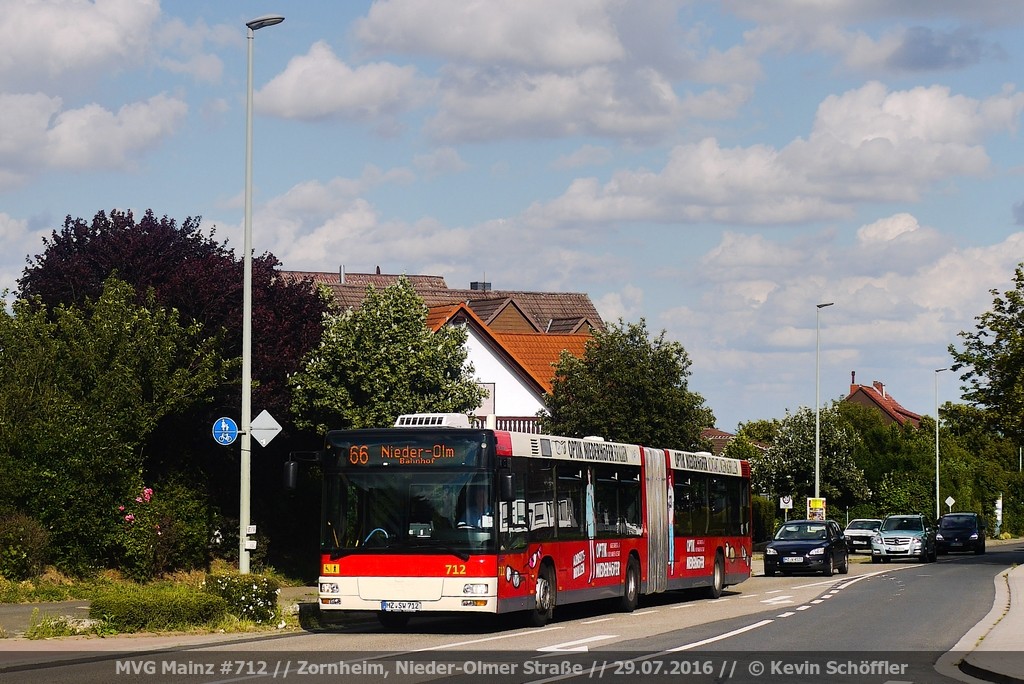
475, 589
330, 588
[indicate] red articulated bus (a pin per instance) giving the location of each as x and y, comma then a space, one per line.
433, 515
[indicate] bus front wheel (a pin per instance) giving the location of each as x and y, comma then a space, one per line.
544, 595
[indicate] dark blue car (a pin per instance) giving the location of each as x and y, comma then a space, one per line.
808, 546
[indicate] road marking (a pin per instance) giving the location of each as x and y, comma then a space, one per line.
775, 600
785, 615
802, 607
711, 640
593, 622
441, 647
576, 646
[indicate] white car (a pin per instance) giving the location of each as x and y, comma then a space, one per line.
860, 531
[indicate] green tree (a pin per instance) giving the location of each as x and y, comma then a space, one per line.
788, 465
761, 431
992, 361
81, 389
629, 388
381, 361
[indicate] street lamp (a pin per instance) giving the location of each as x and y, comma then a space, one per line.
817, 399
938, 510
246, 423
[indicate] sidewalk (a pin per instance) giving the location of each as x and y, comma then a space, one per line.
995, 646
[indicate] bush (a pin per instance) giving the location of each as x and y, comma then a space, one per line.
764, 518
249, 597
136, 609
23, 545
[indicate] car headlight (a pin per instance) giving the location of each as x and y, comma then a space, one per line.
974, 536
329, 588
816, 551
938, 536
877, 539
474, 589
771, 552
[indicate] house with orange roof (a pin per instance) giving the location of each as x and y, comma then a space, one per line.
516, 368
877, 397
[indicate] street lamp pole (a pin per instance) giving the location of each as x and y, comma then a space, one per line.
938, 510
817, 399
245, 429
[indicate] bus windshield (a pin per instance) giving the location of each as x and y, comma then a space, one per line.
409, 492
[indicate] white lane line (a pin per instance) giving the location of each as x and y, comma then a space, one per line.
577, 646
711, 640
785, 615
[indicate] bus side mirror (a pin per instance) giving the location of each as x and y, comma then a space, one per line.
291, 475
506, 488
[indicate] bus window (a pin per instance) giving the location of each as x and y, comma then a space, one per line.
629, 502
718, 507
571, 499
540, 497
512, 514
606, 500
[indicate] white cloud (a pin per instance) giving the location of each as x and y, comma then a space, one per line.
587, 155
318, 85
567, 34
866, 144
55, 38
441, 161
93, 137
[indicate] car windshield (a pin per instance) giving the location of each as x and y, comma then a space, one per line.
863, 525
801, 532
954, 522
902, 525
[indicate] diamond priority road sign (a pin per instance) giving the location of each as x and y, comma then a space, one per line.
264, 428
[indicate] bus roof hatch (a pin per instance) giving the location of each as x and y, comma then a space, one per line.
452, 420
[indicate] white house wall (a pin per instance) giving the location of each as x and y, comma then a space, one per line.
512, 397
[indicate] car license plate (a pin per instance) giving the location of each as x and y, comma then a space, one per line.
400, 606
793, 559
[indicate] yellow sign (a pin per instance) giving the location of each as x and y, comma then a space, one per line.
331, 569
815, 509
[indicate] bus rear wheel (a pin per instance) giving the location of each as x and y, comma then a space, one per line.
717, 578
544, 594
631, 589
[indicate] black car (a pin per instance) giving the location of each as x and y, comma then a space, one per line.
961, 532
808, 546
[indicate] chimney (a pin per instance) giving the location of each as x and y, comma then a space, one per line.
341, 274
853, 382
880, 387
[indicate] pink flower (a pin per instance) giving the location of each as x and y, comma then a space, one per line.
147, 493
129, 518
138, 499
120, 508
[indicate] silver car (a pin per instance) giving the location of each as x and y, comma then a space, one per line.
859, 533
904, 536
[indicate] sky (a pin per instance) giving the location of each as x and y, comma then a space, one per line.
716, 169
